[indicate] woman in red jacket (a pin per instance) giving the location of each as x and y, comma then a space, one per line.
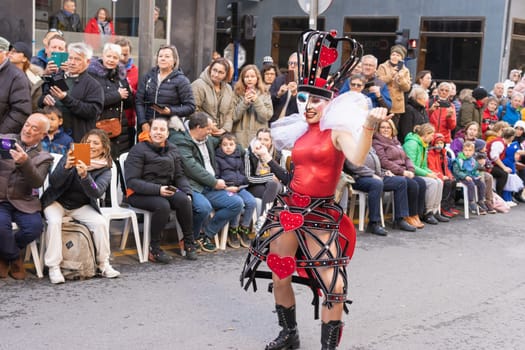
441, 113
99, 29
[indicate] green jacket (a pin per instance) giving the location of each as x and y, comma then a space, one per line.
416, 150
193, 161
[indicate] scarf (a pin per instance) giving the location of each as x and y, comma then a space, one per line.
97, 164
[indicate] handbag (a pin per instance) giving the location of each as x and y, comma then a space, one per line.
112, 126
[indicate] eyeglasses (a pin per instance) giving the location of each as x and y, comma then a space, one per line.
292, 63
385, 127
355, 85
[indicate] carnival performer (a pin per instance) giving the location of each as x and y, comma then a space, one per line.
305, 230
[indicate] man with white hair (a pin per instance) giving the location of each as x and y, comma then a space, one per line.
77, 94
23, 168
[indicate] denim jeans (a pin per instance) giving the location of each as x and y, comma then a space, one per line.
249, 206
225, 205
30, 227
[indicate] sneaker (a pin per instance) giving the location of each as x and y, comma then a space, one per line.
191, 251
158, 255
207, 245
446, 213
233, 238
109, 272
482, 206
473, 207
243, 235
454, 211
55, 275
511, 204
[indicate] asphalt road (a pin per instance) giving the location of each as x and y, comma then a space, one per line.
459, 285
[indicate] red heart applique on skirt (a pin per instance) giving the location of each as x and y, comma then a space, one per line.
282, 267
290, 221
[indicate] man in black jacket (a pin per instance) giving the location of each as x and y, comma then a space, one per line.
15, 94
66, 19
82, 101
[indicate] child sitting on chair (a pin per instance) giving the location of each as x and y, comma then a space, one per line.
230, 167
465, 169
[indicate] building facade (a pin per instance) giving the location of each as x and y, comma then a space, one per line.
471, 42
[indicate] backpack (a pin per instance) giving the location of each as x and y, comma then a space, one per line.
78, 252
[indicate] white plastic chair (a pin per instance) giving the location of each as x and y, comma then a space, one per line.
363, 208
116, 212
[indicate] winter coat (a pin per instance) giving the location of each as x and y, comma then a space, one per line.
40, 59
279, 102
148, 167
416, 150
230, 168
19, 183
415, 114
193, 161
469, 112
15, 98
173, 92
488, 119
248, 118
397, 82
61, 180
463, 167
443, 124
219, 105
111, 80
82, 105
509, 114
438, 162
65, 22
391, 155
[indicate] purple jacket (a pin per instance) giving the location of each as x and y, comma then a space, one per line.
391, 155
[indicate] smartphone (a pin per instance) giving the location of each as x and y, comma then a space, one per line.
58, 80
157, 108
172, 188
6, 144
81, 151
242, 187
59, 57
290, 76
400, 65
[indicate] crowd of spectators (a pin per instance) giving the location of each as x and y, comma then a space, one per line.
189, 143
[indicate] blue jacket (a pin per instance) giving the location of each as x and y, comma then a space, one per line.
60, 143
230, 168
512, 115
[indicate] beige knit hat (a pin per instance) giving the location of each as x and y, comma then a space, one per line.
400, 50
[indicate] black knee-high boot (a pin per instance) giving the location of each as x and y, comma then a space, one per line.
288, 338
330, 334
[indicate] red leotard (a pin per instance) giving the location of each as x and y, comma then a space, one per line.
318, 164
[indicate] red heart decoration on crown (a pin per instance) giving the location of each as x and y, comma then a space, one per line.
327, 56
300, 201
290, 221
282, 267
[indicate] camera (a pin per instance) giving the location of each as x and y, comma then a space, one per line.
441, 103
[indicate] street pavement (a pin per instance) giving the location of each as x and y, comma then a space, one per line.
458, 285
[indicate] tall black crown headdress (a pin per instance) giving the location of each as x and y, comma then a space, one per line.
318, 51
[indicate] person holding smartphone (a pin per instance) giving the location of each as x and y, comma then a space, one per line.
441, 113
156, 182
252, 105
284, 91
397, 78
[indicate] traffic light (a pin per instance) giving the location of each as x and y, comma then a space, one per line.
402, 37
412, 48
232, 21
249, 26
